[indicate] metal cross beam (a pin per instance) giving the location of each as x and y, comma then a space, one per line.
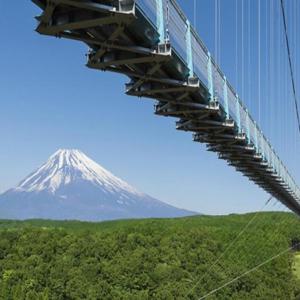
57, 29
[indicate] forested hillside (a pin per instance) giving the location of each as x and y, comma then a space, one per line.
149, 259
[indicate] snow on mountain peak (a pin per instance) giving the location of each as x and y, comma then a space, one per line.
67, 166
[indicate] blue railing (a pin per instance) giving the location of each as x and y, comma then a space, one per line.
172, 24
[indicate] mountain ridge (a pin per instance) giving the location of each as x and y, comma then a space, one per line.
70, 185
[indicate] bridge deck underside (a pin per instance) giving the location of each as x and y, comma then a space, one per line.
123, 40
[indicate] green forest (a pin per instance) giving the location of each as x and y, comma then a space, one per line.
150, 259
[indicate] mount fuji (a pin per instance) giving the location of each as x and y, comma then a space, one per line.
72, 186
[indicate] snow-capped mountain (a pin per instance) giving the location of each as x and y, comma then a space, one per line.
72, 186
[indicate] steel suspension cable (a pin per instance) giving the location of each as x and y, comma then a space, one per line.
279, 86
195, 14
219, 32
272, 70
242, 75
236, 43
282, 225
249, 271
259, 64
259, 223
240, 251
266, 70
249, 56
279, 227
290, 62
231, 244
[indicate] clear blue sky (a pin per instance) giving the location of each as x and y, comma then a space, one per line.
50, 100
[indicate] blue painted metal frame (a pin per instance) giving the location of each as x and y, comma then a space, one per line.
210, 78
262, 145
160, 21
225, 95
248, 128
189, 50
256, 139
238, 114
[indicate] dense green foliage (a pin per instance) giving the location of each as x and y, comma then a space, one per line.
296, 266
148, 259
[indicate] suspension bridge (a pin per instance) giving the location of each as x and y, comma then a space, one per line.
154, 44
